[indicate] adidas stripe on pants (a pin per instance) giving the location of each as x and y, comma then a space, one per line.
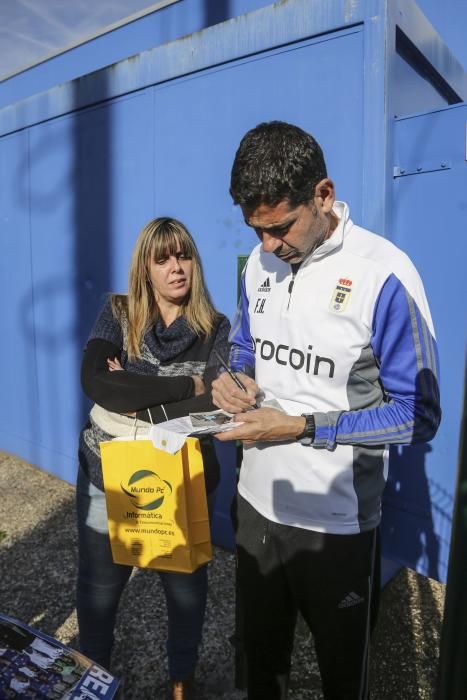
328, 578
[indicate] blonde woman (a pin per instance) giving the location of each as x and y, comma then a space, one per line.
163, 335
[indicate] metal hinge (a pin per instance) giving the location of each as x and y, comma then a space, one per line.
401, 171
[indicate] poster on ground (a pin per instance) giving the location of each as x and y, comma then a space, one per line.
34, 665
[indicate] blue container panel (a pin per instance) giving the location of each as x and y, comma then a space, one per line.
201, 119
20, 424
429, 224
56, 314
91, 189
160, 27
131, 192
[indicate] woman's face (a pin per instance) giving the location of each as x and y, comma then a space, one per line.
171, 277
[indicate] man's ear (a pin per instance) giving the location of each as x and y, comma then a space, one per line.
325, 195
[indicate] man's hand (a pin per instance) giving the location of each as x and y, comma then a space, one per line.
228, 396
264, 424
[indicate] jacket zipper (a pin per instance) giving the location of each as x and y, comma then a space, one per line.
265, 532
291, 284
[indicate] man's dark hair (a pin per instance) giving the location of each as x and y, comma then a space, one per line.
276, 161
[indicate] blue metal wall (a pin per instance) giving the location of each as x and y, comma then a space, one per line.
430, 220
188, 16
85, 164
160, 27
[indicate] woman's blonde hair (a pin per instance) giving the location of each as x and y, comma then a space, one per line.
160, 238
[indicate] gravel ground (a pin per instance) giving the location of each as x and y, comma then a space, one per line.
38, 569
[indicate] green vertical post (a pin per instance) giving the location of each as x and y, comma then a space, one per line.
452, 672
241, 262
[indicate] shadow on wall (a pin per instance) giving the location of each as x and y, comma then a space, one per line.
93, 241
411, 502
70, 180
215, 12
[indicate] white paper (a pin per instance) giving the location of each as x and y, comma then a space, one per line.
171, 434
166, 440
176, 425
213, 420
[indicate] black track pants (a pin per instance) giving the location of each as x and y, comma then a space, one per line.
329, 579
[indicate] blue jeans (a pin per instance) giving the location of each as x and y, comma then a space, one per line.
101, 583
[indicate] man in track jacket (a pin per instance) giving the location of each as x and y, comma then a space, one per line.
334, 333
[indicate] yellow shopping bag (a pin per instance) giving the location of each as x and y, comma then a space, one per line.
156, 505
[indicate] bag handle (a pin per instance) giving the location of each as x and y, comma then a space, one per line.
135, 424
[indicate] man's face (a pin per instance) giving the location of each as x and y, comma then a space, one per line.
292, 233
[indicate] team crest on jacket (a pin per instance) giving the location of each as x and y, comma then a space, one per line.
340, 295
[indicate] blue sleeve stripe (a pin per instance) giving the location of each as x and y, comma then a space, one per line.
434, 366
407, 437
240, 324
395, 435
236, 325
430, 358
417, 344
424, 349
425, 360
415, 332
242, 354
428, 344
381, 432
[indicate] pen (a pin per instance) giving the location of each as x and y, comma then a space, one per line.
231, 374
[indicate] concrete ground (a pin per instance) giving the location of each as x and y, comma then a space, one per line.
38, 570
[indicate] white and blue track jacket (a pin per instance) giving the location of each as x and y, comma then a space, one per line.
349, 339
